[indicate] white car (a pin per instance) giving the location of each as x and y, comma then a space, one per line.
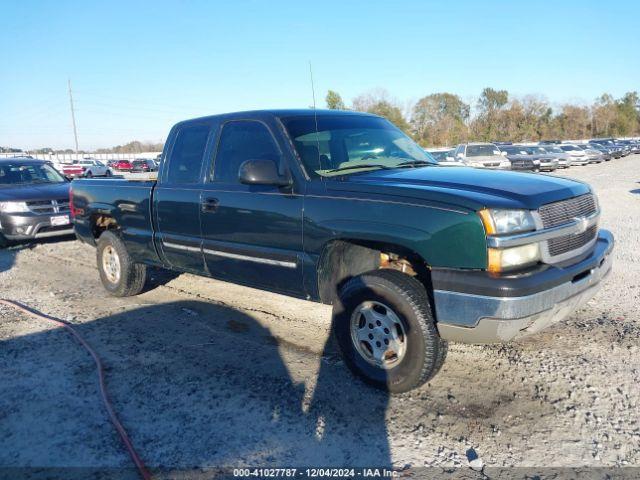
94, 168
578, 155
481, 155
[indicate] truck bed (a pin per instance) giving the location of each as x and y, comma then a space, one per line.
127, 201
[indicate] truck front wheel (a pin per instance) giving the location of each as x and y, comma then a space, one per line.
385, 331
120, 276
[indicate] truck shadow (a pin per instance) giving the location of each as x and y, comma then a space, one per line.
9, 250
196, 384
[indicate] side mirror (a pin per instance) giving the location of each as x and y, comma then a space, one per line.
262, 172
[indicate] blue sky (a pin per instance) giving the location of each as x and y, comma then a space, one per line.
137, 67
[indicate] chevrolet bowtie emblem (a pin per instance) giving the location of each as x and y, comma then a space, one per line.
582, 224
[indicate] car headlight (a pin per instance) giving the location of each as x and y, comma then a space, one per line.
505, 259
13, 207
499, 221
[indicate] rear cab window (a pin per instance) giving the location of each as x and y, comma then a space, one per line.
187, 154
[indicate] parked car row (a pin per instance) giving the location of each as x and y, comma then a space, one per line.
90, 167
547, 155
137, 165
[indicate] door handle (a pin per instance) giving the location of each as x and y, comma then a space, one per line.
209, 205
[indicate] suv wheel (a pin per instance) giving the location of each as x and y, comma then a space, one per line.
120, 276
385, 331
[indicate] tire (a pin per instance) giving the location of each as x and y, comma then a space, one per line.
108, 173
89, 174
127, 278
390, 294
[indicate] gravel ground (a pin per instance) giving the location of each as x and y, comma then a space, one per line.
205, 374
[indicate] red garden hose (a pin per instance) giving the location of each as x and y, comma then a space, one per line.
144, 473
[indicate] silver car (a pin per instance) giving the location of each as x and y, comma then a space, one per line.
482, 155
595, 155
578, 155
563, 158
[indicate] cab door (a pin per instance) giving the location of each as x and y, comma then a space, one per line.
177, 199
252, 234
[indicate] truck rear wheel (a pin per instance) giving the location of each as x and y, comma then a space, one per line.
385, 331
120, 276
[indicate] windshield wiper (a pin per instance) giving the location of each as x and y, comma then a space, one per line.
416, 163
365, 165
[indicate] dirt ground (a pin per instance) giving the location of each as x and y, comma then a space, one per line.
205, 374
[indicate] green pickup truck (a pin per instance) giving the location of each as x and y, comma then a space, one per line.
343, 208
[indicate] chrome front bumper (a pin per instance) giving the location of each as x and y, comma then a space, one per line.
471, 318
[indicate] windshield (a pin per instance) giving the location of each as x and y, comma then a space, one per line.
346, 144
24, 174
569, 148
553, 149
482, 151
514, 150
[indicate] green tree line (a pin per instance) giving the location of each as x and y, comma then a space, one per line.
443, 119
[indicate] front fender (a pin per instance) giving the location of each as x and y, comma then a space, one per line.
442, 238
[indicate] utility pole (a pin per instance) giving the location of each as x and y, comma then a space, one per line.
73, 116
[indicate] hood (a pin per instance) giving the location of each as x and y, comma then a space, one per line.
471, 188
49, 191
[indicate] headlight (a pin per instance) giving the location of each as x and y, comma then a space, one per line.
497, 221
501, 260
13, 207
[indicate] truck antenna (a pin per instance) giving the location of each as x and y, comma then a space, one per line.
313, 90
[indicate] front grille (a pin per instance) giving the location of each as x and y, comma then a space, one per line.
63, 205
566, 243
521, 164
58, 228
559, 213
42, 207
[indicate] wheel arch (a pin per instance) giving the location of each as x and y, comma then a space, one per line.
344, 258
101, 219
